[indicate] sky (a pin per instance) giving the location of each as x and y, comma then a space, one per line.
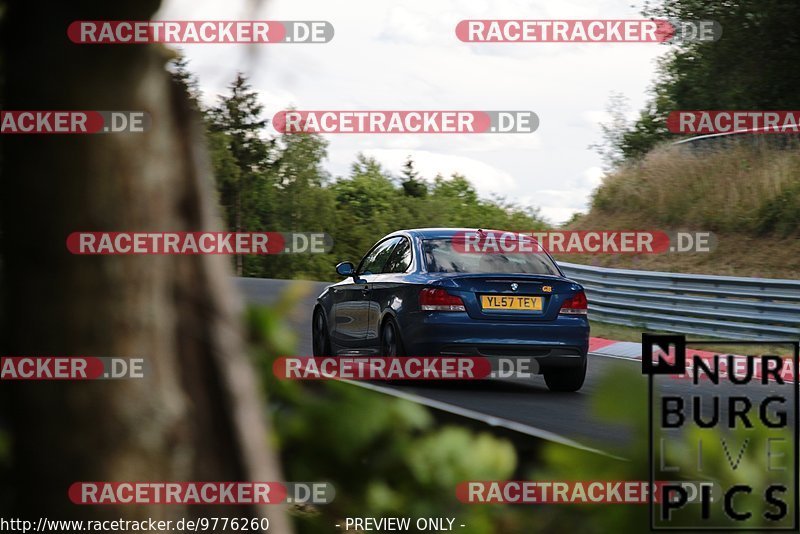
405, 55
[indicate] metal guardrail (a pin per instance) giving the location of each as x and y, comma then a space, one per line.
717, 306
754, 138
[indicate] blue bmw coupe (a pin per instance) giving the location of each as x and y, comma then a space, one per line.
421, 293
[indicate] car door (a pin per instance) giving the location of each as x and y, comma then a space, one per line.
351, 300
385, 288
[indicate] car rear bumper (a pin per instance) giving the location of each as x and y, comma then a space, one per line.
565, 340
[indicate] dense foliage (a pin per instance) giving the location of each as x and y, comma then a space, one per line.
752, 67
280, 184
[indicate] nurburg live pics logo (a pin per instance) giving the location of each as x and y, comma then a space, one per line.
733, 423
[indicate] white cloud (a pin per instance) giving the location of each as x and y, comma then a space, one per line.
486, 178
406, 56
593, 176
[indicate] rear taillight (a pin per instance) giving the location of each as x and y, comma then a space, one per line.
435, 299
575, 305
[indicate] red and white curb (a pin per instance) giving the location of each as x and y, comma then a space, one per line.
629, 350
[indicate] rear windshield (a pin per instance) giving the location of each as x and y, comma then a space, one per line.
441, 257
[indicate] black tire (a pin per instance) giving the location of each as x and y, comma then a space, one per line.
391, 344
565, 378
320, 341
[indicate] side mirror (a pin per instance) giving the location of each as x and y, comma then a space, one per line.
345, 269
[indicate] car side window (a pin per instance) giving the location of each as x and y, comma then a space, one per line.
400, 259
376, 258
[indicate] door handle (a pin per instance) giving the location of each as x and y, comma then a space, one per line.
365, 290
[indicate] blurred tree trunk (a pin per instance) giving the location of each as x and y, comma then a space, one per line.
198, 414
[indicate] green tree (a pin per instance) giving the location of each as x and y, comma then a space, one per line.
413, 186
236, 125
280, 184
186, 79
366, 203
752, 67
304, 204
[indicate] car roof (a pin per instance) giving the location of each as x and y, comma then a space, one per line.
433, 233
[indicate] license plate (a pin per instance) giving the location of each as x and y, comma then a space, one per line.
511, 302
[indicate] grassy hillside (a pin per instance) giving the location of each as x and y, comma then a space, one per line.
749, 196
